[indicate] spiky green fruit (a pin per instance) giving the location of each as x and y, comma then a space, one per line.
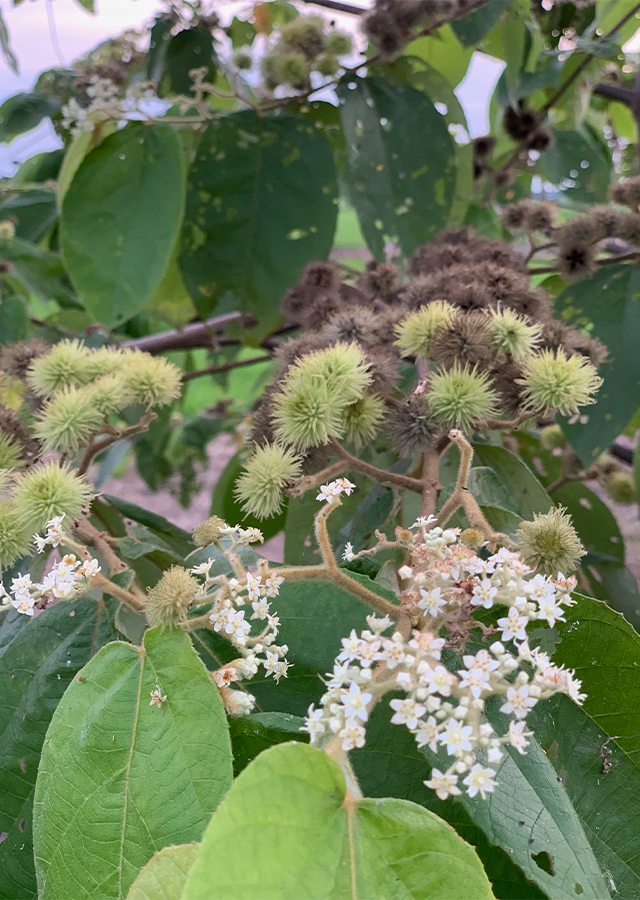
266, 473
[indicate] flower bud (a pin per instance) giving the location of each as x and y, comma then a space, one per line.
237, 703
242, 59
472, 538
7, 230
209, 532
550, 543
169, 600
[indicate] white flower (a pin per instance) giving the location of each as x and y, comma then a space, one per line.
21, 585
253, 586
480, 780
355, 703
483, 594
260, 609
339, 675
518, 736
89, 569
344, 485
456, 737
203, 568
407, 712
239, 703
272, 584
550, 611
518, 701
393, 653
444, 785
379, 625
428, 642
157, 697
24, 605
475, 680
494, 754
424, 521
353, 735
427, 734
351, 647
481, 662
312, 723
432, 601
513, 626
438, 680
348, 554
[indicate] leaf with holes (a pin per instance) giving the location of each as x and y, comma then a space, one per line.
37, 664
399, 193
261, 203
608, 300
288, 830
165, 875
118, 230
121, 777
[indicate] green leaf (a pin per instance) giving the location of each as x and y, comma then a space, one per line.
392, 765
14, 320
77, 151
594, 522
179, 539
121, 778
5, 43
398, 193
159, 38
302, 838
609, 300
33, 213
36, 666
165, 875
472, 28
442, 51
39, 168
250, 735
189, 49
118, 230
225, 505
261, 203
38, 271
578, 166
22, 112
241, 32
525, 494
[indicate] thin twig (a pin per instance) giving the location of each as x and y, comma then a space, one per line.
225, 367
382, 476
309, 482
118, 434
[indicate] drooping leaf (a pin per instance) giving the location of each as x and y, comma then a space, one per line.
578, 166
191, 48
121, 777
118, 230
304, 837
399, 193
473, 27
36, 667
609, 300
33, 213
38, 271
179, 539
261, 203
165, 875
526, 496
22, 112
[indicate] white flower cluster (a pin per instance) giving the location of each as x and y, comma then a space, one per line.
329, 493
67, 579
105, 104
246, 589
445, 709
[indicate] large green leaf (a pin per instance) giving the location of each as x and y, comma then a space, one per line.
121, 778
261, 203
22, 112
288, 829
119, 227
250, 735
400, 192
474, 26
179, 539
165, 875
523, 493
33, 213
159, 38
609, 300
191, 48
443, 52
578, 166
36, 667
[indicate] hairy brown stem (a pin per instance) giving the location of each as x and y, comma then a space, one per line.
510, 424
462, 496
308, 482
430, 481
604, 261
90, 535
117, 434
127, 597
379, 475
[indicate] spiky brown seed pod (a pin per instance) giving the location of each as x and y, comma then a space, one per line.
288, 351
381, 280
606, 220
510, 393
483, 146
355, 323
627, 192
15, 359
581, 230
629, 229
540, 217
518, 123
540, 140
322, 275
576, 260
410, 427
466, 339
514, 215
383, 368
12, 425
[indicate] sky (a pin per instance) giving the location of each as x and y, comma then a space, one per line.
47, 33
